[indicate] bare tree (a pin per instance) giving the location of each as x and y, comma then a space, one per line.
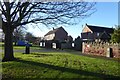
17, 13
19, 34
30, 37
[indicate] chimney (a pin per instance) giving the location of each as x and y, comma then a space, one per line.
53, 28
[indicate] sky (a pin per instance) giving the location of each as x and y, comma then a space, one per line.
105, 16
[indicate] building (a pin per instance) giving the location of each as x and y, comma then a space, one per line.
92, 33
55, 38
78, 44
58, 34
1, 35
1, 31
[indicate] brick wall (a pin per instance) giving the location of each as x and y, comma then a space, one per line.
100, 49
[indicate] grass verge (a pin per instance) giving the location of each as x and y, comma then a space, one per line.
59, 64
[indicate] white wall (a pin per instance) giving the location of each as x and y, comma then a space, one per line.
49, 37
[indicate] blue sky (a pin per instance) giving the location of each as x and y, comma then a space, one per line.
106, 15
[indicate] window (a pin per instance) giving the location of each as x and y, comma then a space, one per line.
98, 34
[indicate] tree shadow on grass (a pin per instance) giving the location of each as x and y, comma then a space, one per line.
93, 56
75, 71
47, 50
41, 55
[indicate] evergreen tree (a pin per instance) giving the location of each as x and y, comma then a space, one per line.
116, 35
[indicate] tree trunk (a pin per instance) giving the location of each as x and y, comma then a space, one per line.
8, 47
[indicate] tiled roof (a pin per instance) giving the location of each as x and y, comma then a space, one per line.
53, 31
104, 36
100, 29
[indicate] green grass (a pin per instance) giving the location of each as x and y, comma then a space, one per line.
21, 47
59, 64
1, 43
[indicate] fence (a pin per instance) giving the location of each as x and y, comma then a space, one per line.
101, 49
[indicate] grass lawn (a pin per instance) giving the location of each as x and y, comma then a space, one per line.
59, 64
20, 47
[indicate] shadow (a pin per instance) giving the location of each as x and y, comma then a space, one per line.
41, 55
46, 50
92, 56
75, 71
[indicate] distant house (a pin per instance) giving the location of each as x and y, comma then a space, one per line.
92, 33
69, 39
78, 44
1, 31
67, 44
55, 38
1, 35
58, 34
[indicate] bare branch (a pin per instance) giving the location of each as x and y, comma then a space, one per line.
47, 13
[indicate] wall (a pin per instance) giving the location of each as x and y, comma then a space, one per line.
66, 45
49, 37
86, 29
100, 49
78, 44
61, 35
